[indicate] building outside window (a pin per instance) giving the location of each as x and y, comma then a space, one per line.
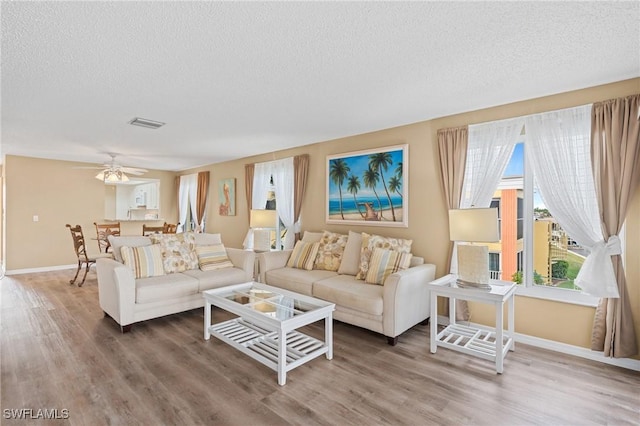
556, 259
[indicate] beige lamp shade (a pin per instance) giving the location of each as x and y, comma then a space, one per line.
263, 218
474, 225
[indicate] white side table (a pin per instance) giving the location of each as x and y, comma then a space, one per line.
492, 345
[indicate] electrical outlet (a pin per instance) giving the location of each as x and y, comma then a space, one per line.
35, 218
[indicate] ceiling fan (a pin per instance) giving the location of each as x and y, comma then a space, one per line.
113, 172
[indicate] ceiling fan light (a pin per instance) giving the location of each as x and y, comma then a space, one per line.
112, 176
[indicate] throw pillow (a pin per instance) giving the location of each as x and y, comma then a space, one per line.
330, 251
350, 263
178, 251
303, 255
118, 242
213, 257
144, 261
369, 242
385, 262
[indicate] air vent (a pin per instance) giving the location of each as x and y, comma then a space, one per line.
146, 123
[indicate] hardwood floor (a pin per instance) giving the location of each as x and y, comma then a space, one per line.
60, 352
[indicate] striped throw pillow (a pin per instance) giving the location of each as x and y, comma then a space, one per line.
303, 255
144, 261
385, 262
213, 257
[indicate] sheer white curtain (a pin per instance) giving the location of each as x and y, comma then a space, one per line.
559, 151
188, 186
283, 182
193, 201
490, 148
261, 177
488, 153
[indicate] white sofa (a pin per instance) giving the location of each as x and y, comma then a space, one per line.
129, 300
389, 309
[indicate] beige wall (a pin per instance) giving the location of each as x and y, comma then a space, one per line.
556, 321
57, 193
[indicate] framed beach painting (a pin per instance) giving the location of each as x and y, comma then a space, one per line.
227, 197
369, 187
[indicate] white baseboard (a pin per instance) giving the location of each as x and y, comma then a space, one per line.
629, 363
42, 269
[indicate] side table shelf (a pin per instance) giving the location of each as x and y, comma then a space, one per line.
473, 341
490, 344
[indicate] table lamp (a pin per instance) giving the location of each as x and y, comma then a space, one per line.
468, 226
262, 222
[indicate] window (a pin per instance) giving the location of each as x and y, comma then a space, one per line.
555, 262
278, 234
494, 265
534, 250
274, 180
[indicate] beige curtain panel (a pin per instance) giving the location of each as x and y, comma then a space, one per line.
615, 156
202, 197
248, 187
300, 172
452, 149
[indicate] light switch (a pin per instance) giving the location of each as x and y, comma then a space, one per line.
35, 218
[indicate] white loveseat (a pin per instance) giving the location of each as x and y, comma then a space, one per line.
129, 300
390, 309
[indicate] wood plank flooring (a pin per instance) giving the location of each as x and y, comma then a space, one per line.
58, 351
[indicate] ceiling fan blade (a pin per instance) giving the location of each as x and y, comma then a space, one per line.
133, 170
89, 167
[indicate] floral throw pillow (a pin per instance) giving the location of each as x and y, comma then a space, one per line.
330, 251
178, 251
369, 242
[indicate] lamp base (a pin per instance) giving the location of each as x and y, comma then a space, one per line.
262, 239
467, 284
473, 265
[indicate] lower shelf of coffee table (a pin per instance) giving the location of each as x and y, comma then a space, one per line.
262, 344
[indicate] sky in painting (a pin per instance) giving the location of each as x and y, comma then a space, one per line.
357, 166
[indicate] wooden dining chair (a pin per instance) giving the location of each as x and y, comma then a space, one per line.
170, 228
80, 249
148, 230
103, 230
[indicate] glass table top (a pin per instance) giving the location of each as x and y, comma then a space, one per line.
270, 302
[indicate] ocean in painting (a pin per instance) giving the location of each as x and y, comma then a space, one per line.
349, 205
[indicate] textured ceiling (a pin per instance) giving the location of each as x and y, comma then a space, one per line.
233, 79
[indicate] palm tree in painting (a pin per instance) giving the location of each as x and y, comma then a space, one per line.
353, 185
380, 162
339, 172
371, 178
399, 170
395, 184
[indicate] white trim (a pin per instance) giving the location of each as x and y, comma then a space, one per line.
628, 363
562, 295
42, 269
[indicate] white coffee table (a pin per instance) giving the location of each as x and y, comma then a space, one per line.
490, 344
266, 325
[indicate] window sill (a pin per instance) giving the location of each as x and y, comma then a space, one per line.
558, 295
